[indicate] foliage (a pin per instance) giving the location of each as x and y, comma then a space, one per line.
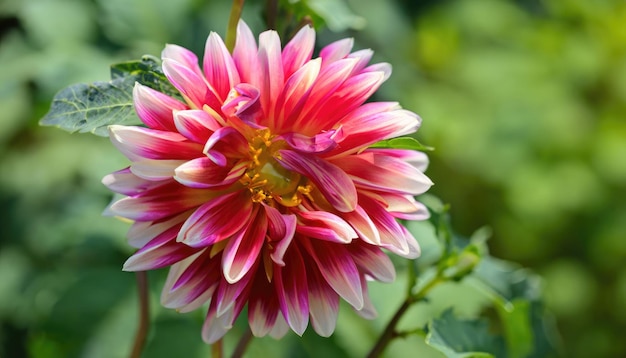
523, 100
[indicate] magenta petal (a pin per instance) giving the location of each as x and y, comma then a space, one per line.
338, 269
216, 220
298, 50
271, 67
245, 55
320, 143
161, 251
323, 303
263, 307
219, 67
373, 261
363, 225
243, 102
155, 108
137, 143
195, 124
331, 181
125, 182
243, 249
325, 226
204, 173
228, 294
292, 290
336, 50
281, 229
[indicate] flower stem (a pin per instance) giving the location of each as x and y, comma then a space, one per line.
144, 315
390, 330
217, 349
242, 344
233, 20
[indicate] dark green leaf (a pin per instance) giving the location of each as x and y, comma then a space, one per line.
93, 107
457, 338
402, 143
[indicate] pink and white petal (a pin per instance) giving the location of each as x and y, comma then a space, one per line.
155, 170
348, 97
243, 102
280, 328
125, 182
298, 50
384, 173
336, 51
325, 226
182, 56
232, 140
414, 249
338, 269
318, 144
363, 128
271, 71
263, 307
417, 159
216, 220
195, 124
363, 57
161, 202
137, 143
243, 249
152, 258
229, 294
363, 225
281, 230
372, 261
245, 55
294, 95
219, 67
404, 206
215, 327
204, 173
327, 82
330, 180
383, 67
174, 273
292, 290
142, 232
323, 304
155, 108
368, 311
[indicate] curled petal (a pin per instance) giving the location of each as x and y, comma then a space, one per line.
204, 173
320, 143
243, 102
325, 226
137, 143
216, 220
195, 124
331, 181
281, 229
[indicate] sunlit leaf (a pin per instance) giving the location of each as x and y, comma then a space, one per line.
402, 143
93, 107
457, 338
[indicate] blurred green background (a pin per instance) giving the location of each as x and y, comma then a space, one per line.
525, 102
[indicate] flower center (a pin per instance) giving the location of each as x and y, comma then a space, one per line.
266, 179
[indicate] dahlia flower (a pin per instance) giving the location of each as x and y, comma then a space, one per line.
259, 188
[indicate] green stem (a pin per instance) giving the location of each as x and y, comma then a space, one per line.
390, 330
144, 315
217, 349
233, 20
242, 344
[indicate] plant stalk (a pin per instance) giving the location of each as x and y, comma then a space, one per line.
233, 20
144, 315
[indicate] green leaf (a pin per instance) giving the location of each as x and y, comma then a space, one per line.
93, 107
146, 71
457, 338
402, 143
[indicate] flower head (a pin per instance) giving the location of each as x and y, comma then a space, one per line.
259, 188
